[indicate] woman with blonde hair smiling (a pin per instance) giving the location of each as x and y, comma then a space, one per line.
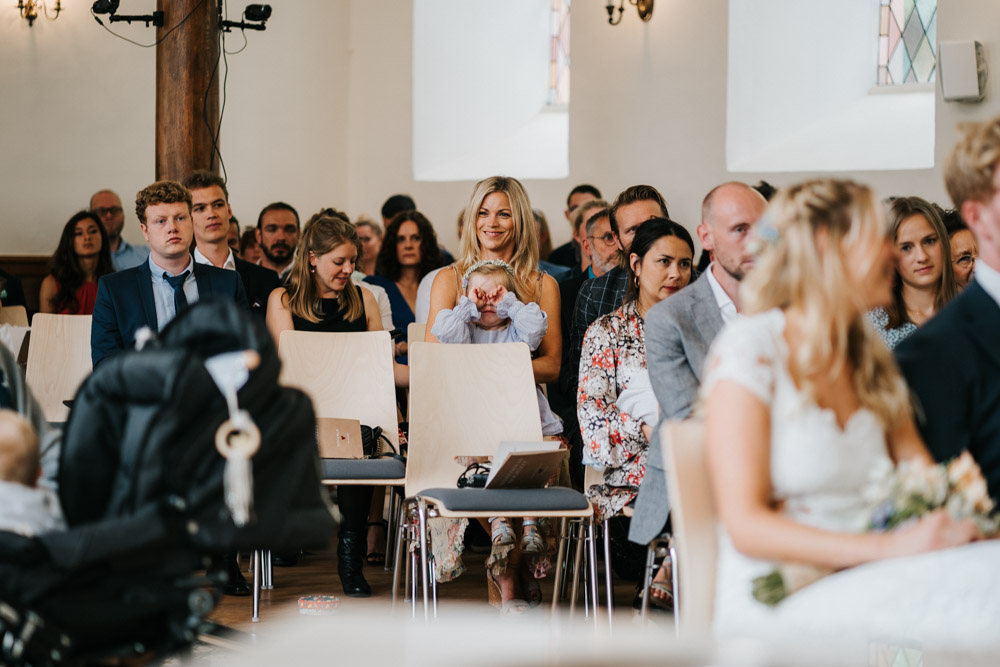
925, 277
499, 225
803, 403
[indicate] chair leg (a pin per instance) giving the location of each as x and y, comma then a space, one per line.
268, 571
675, 583
560, 555
609, 593
647, 578
397, 557
578, 557
434, 585
593, 564
422, 542
390, 530
255, 608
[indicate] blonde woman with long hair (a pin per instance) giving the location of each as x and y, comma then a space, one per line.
320, 296
803, 402
499, 225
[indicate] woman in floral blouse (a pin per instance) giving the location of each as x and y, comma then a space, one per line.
616, 425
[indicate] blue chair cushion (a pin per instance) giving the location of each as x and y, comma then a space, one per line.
508, 500
362, 469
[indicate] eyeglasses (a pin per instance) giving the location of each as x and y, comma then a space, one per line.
108, 210
609, 238
965, 261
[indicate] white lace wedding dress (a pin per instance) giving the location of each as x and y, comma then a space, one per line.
943, 599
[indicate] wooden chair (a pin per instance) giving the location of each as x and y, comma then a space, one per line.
14, 315
348, 376
694, 546
415, 332
464, 401
58, 360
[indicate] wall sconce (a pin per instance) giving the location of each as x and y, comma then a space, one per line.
29, 10
643, 7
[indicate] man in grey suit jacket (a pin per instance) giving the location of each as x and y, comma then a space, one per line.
679, 331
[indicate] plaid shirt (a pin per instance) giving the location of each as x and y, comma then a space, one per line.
597, 297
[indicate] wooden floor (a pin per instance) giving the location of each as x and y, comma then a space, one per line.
316, 574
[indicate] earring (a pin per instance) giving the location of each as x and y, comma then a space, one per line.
637, 281
312, 268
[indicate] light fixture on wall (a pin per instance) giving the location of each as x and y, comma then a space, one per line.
29, 10
643, 7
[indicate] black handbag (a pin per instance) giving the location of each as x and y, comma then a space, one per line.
372, 439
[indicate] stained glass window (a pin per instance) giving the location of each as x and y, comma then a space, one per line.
907, 40
559, 59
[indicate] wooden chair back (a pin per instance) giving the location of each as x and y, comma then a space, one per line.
695, 522
347, 375
14, 315
415, 332
464, 401
58, 360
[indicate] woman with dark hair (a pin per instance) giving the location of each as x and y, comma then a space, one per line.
925, 278
409, 252
83, 256
616, 438
320, 296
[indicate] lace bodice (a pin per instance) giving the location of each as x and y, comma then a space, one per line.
820, 471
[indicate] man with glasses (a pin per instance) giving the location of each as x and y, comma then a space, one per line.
108, 208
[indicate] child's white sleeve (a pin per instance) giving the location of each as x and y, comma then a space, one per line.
452, 324
528, 322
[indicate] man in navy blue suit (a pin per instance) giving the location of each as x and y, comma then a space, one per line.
149, 295
211, 216
952, 363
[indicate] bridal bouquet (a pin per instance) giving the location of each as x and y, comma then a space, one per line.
900, 495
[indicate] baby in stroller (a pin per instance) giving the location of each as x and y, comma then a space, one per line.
27, 509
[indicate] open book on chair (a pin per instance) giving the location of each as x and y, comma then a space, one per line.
525, 465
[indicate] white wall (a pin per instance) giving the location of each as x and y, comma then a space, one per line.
78, 115
492, 79
802, 92
320, 113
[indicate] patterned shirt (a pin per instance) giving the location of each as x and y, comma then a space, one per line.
596, 297
879, 320
614, 349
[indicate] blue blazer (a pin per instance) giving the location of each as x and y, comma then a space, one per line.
952, 364
125, 304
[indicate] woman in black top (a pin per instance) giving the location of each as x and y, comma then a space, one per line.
320, 296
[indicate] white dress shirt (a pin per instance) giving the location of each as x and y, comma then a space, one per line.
726, 305
163, 293
229, 264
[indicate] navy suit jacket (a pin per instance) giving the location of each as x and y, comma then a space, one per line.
125, 304
258, 283
952, 364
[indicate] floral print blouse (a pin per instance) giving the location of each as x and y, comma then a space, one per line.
879, 320
614, 348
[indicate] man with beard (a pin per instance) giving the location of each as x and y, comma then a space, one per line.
278, 234
679, 331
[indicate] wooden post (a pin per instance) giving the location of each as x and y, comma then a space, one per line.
185, 62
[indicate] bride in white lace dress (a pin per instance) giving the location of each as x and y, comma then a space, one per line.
802, 402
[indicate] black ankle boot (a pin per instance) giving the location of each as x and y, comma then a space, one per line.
350, 561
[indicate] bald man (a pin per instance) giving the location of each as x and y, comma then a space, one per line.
108, 208
680, 329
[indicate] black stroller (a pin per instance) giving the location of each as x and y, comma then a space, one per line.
141, 485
